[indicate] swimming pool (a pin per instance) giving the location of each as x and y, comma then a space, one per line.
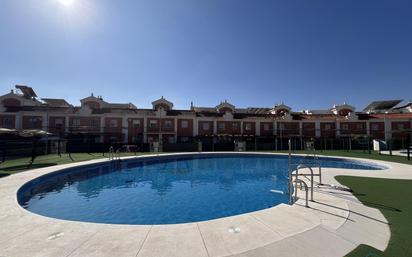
167, 189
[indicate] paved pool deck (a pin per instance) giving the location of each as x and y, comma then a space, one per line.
334, 225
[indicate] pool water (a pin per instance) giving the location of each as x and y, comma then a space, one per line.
167, 190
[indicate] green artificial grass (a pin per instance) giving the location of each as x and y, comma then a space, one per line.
393, 198
22, 164
359, 154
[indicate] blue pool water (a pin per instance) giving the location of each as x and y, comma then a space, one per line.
167, 190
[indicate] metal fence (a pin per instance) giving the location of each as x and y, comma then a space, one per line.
14, 145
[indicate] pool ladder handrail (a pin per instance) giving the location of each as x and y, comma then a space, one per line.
114, 155
302, 183
118, 155
296, 175
111, 153
319, 168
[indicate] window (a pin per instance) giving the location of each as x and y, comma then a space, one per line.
306, 125
170, 140
359, 126
76, 122
136, 123
6, 123
34, 120
184, 139
58, 122
153, 123
114, 123
205, 126
282, 126
375, 127
94, 123
184, 124
136, 139
221, 126
266, 127
92, 105
168, 124
10, 102
401, 126
328, 126
235, 126
345, 127
248, 126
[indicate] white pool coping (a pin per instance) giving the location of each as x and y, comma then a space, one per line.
335, 224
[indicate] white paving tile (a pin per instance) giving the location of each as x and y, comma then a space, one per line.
173, 241
235, 235
316, 242
285, 221
48, 240
366, 226
110, 241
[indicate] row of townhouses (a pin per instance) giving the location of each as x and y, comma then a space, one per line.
22, 109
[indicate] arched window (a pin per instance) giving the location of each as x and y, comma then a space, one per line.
11, 102
92, 104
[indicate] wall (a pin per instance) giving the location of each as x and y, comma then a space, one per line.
185, 132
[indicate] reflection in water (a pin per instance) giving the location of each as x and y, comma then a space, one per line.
165, 190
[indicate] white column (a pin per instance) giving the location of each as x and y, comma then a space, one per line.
102, 125
125, 127
195, 127
257, 128
275, 127
18, 121
317, 129
241, 127
144, 129
214, 127
368, 125
337, 129
388, 129
300, 129
175, 121
44, 122
66, 123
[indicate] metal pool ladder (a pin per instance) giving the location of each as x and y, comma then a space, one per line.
315, 157
296, 175
293, 178
114, 155
302, 183
111, 153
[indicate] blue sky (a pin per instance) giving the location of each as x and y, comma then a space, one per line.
309, 54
